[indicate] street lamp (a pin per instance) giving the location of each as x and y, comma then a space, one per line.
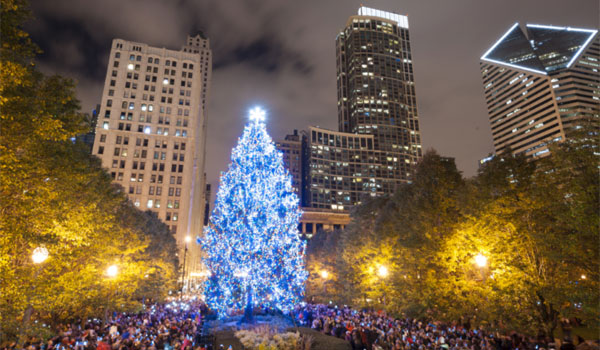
481, 260
382, 271
112, 271
187, 240
324, 275
39, 255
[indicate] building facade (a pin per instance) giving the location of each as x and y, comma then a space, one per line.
151, 131
376, 92
342, 169
291, 149
539, 82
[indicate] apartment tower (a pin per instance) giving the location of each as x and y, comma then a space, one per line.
151, 131
378, 142
539, 82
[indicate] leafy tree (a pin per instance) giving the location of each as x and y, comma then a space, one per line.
534, 221
55, 195
402, 234
321, 264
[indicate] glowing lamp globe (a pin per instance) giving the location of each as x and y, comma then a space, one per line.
480, 260
39, 255
382, 271
112, 271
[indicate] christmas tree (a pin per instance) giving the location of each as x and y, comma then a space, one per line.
252, 247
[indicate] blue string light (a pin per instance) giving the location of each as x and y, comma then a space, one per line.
252, 247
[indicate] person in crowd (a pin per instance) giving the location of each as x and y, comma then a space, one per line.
375, 330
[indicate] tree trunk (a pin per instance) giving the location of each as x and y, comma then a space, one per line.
248, 312
549, 316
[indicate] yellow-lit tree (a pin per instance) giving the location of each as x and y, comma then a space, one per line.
56, 197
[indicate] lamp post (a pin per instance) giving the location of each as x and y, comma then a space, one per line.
325, 276
382, 272
481, 261
111, 272
38, 256
188, 239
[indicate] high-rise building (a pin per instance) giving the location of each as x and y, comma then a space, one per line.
539, 82
376, 92
207, 195
151, 131
378, 142
291, 149
342, 169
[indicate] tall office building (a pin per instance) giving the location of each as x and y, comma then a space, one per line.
151, 131
378, 142
539, 82
291, 149
376, 92
342, 169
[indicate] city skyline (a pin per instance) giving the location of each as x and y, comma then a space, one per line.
282, 57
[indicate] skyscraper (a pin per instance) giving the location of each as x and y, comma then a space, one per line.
378, 142
151, 130
376, 91
291, 149
538, 84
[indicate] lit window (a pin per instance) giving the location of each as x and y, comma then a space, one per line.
166, 81
130, 66
150, 203
105, 125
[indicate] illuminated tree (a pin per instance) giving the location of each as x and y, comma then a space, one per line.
57, 197
252, 246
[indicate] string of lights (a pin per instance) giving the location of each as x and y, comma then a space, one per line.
252, 247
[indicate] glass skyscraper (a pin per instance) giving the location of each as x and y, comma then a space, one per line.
378, 141
376, 92
539, 83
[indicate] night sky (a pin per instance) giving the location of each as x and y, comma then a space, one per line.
281, 54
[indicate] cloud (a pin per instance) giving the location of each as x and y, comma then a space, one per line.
281, 54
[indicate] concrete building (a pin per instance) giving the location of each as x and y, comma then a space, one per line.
539, 82
378, 141
376, 92
342, 169
151, 131
207, 199
291, 148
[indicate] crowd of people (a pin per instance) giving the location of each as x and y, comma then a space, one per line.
177, 325
374, 330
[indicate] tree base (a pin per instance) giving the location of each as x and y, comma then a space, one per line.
248, 316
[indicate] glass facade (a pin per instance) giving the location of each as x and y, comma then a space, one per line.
376, 94
343, 168
539, 84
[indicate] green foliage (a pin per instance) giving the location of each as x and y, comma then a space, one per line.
535, 222
54, 194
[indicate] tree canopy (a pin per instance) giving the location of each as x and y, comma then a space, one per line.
55, 195
533, 225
